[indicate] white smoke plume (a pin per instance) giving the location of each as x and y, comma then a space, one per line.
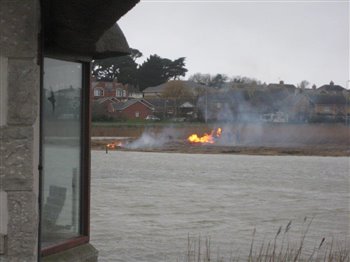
153, 139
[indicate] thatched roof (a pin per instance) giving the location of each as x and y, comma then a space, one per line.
85, 27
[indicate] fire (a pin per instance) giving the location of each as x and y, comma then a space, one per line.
206, 138
111, 146
114, 145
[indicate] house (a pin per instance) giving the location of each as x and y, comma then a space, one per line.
101, 89
131, 109
186, 109
134, 94
226, 105
331, 88
281, 85
163, 107
278, 117
157, 91
298, 106
100, 107
167, 103
329, 107
153, 91
45, 52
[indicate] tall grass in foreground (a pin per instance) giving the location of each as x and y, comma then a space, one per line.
277, 250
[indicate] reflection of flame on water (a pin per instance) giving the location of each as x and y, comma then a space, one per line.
206, 138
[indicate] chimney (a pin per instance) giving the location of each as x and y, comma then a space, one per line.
313, 87
281, 82
331, 83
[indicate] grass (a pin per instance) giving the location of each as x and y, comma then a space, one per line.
253, 133
276, 250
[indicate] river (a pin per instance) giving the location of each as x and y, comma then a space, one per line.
145, 205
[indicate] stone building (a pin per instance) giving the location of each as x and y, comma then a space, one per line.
45, 51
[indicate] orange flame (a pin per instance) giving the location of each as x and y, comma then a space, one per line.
111, 146
206, 138
114, 145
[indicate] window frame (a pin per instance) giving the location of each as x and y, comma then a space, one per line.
119, 92
99, 91
84, 194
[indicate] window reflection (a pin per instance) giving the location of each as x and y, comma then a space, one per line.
61, 151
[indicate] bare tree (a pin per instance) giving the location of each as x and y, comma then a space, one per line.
303, 84
204, 79
177, 91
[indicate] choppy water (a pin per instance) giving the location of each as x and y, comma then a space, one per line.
144, 205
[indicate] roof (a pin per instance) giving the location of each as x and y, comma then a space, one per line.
104, 99
76, 28
154, 89
328, 99
161, 102
160, 88
331, 87
123, 105
289, 87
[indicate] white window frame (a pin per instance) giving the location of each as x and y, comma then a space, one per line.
98, 91
119, 92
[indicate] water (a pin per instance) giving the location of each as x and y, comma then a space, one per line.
144, 205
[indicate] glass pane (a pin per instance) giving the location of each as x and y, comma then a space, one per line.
61, 136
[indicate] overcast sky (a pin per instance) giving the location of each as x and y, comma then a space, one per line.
266, 40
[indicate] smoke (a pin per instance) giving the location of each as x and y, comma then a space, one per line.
154, 139
239, 119
243, 115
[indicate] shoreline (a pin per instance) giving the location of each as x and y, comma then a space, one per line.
254, 139
264, 150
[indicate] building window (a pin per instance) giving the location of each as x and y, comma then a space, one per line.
64, 162
119, 92
137, 114
98, 92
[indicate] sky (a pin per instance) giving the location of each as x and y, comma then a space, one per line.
266, 40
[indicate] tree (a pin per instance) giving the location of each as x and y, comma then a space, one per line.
152, 72
218, 80
157, 70
177, 91
203, 79
135, 54
243, 81
177, 68
303, 84
123, 68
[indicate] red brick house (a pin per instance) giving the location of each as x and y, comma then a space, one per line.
100, 107
131, 109
101, 89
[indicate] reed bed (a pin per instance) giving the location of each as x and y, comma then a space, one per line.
276, 250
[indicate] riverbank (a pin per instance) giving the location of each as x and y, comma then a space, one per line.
184, 147
248, 138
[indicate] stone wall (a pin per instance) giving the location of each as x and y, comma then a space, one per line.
19, 129
19, 118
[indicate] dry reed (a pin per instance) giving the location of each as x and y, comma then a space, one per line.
276, 251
